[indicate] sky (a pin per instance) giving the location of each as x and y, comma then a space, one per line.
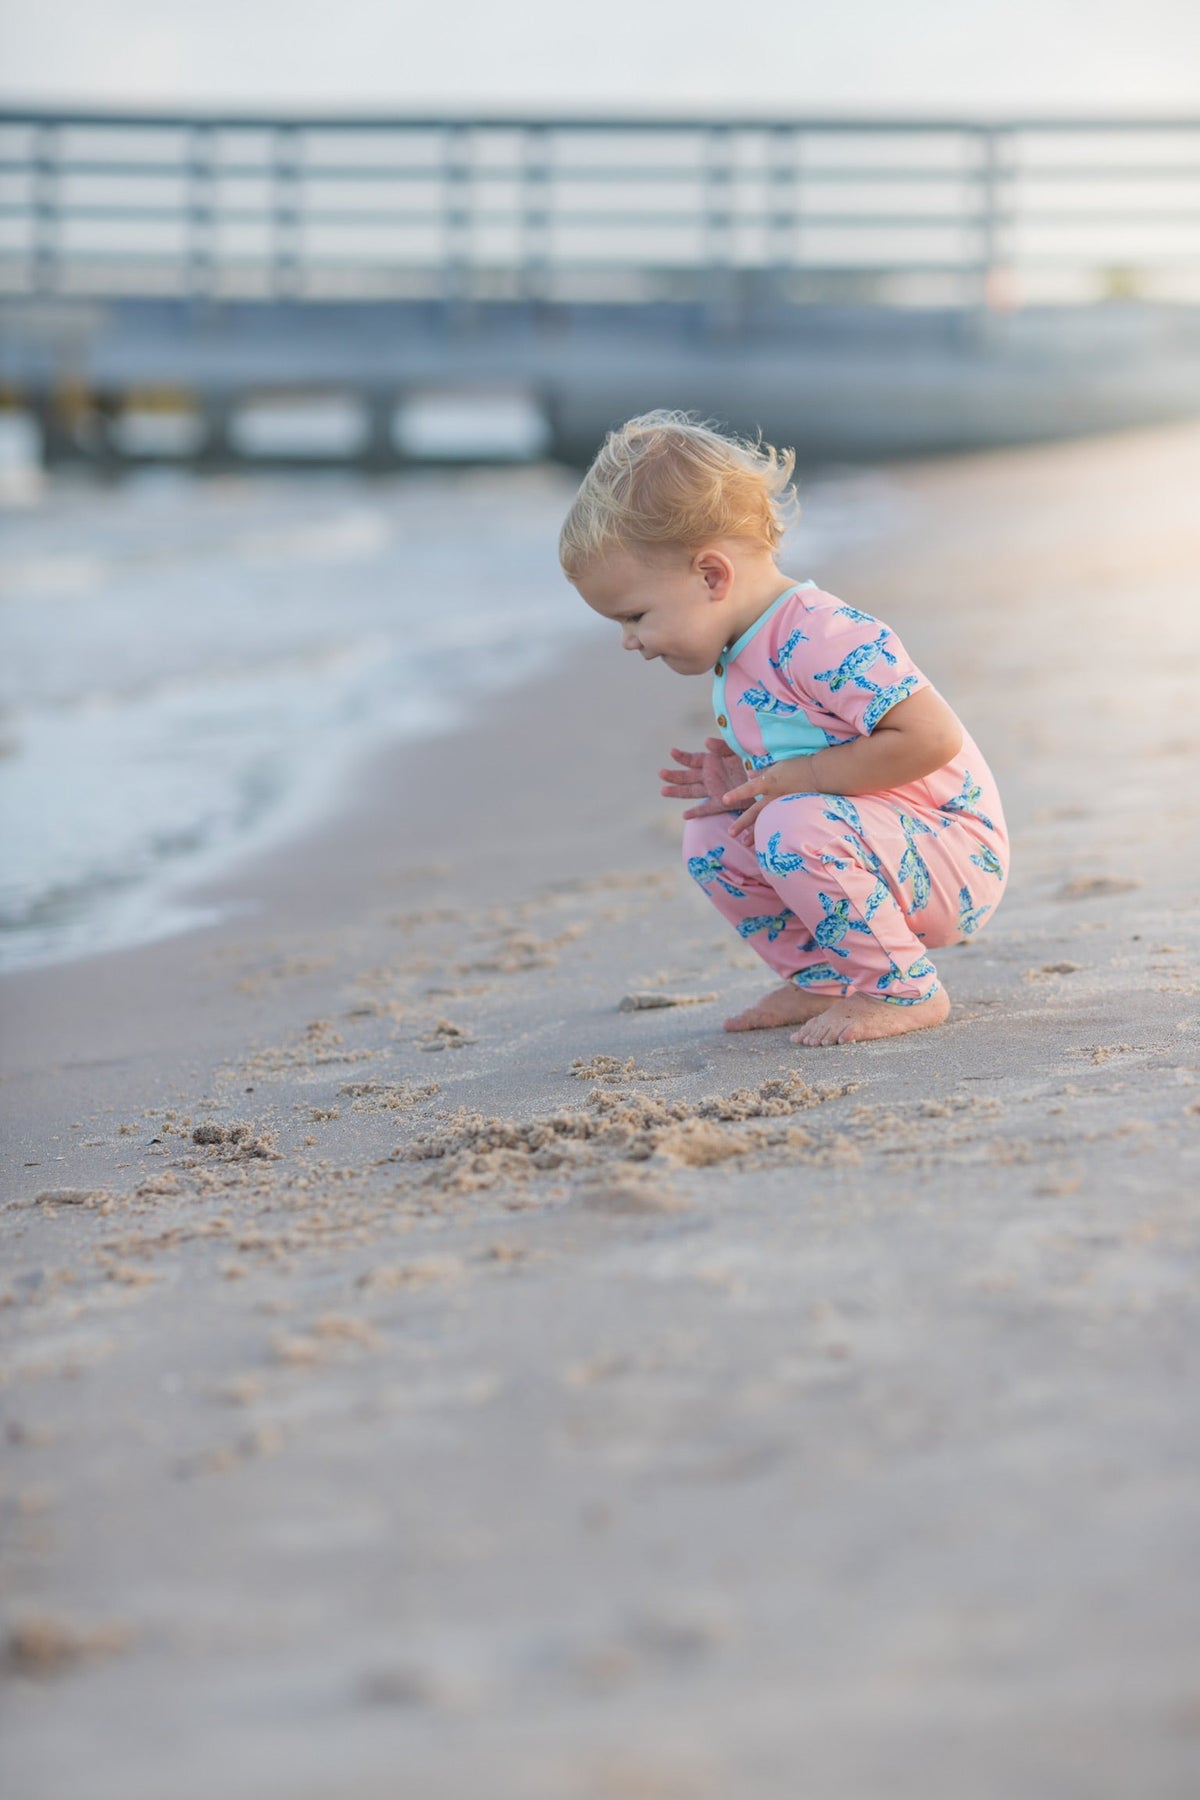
903, 57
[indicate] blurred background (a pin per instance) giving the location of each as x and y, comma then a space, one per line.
310, 319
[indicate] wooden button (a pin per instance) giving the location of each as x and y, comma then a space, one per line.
747, 764
722, 721
720, 669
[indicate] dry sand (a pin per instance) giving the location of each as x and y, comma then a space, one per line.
425, 1377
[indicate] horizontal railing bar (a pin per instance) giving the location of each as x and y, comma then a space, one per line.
1034, 215
261, 215
514, 171
518, 171
748, 217
266, 264
1102, 171
578, 122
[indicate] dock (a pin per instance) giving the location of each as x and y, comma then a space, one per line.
180, 287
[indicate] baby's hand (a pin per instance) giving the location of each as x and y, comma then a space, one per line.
792, 776
704, 776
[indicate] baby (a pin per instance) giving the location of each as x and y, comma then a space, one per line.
846, 822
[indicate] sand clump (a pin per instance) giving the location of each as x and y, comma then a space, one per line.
238, 1142
472, 1151
445, 1035
131, 1275
699, 1143
71, 1197
45, 1646
159, 1185
651, 999
1054, 968
387, 1096
1099, 1054
521, 950
345, 1328
611, 1070
1087, 887
319, 1043
419, 1272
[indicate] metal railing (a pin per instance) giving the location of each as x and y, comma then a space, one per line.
900, 211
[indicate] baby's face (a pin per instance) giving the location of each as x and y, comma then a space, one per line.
667, 611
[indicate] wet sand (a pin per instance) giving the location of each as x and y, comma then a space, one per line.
425, 1376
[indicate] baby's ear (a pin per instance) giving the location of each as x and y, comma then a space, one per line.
716, 569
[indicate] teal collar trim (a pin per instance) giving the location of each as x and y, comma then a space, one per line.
736, 649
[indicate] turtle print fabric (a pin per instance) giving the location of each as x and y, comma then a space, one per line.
844, 894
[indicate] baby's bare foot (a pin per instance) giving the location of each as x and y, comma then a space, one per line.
786, 1005
856, 1017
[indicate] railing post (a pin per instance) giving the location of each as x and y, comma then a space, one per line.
719, 308
201, 267
783, 209
535, 234
285, 257
457, 227
993, 276
46, 220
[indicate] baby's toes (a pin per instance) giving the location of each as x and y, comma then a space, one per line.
819, 1031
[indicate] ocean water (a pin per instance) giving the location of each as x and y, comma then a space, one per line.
192, 668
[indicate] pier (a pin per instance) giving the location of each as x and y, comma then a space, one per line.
180, 287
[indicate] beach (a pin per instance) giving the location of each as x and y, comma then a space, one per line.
441, 1361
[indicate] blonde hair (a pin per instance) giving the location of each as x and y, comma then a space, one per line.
667, 480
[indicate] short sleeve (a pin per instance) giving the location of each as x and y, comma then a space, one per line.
851, 666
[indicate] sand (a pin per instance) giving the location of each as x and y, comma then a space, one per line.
433, 1368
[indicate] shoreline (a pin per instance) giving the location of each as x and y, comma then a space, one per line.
303, 698
128, 1008
526, 1376
203, 727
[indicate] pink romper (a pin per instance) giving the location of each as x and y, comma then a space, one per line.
844, 893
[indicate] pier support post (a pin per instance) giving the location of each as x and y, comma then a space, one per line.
56, 428
105, 448
51, 448
379, 448
217, 449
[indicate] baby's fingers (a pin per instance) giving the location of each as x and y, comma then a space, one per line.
743, 827
690, 758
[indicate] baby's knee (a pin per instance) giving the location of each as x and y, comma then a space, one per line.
794, 819
707, 847
700, 836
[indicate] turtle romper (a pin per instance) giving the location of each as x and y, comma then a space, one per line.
844, 894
